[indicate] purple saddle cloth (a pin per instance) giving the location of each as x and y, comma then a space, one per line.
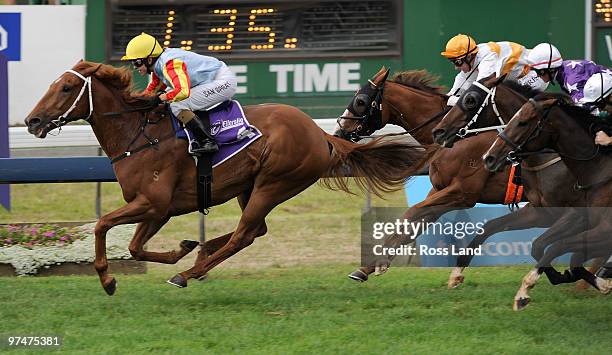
230, 128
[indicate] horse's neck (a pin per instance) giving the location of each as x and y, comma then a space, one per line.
415, 107
116, 132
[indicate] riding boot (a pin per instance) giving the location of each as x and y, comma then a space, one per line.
200, 127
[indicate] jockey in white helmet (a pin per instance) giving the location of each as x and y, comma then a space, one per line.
587, 83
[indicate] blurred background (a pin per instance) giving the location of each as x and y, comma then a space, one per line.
311, 54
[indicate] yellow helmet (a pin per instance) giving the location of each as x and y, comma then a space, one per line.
460, 46
142, 46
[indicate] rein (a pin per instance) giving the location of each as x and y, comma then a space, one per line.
151, 142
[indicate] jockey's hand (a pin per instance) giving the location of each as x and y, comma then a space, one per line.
155, 101
602, 138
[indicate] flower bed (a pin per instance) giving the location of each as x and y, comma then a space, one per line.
33, 249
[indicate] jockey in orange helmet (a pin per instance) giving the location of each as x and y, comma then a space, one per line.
192, 82
477, 61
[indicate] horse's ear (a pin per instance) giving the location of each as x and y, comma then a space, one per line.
380, 72
500, 79
385, 75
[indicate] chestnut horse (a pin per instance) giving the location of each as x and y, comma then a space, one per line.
160, 182
457, 175
551, 121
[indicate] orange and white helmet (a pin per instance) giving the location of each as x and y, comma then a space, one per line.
544, 56
460, 46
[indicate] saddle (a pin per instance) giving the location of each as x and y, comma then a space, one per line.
231, 130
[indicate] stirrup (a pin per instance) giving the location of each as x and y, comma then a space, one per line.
206, 147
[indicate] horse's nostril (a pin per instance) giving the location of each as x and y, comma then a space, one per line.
437, 133
33, 122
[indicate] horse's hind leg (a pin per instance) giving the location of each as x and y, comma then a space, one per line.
252, 225
144, 232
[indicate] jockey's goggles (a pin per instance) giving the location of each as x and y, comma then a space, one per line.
137, 63
459, 61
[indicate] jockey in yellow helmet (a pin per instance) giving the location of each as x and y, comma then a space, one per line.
477, 61
191, 82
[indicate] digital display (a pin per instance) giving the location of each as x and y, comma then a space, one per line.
603, 11
276, 29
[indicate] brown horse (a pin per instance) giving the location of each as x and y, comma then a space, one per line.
550, 121
458, 177
159, 183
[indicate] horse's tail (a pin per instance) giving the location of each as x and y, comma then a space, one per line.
379, 166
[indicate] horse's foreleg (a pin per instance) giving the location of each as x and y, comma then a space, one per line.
133, 212
526, 217
435, 205
144, 232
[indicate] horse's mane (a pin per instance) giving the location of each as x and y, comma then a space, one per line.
419, 79
565, 103
523, 90
119, 78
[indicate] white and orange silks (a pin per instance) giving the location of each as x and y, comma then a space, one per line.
499, 58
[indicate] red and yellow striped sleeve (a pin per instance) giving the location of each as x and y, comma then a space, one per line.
154, 86
175, 71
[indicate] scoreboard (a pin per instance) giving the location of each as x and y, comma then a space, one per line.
602, 32
262, 30
310, 54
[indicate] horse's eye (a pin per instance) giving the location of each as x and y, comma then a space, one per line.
360, 103
66, 88
522, 123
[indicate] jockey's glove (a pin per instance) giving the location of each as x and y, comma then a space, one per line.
155, 101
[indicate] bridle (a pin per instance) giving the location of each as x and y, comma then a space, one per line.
490, 97
62, 119
371, 119
516, 155
87, 84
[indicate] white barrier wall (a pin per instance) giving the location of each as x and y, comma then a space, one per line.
52, 40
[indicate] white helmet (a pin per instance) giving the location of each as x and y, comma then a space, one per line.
598, 87
544, 56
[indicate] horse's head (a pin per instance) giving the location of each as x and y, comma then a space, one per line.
364, 115
465, 113
522, 135
68, 99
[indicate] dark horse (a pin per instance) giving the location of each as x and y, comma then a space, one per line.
159, 183
547, 181
550, 121
458, 177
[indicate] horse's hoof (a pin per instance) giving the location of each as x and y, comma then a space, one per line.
521, 303
455, 282
358, 275
111, 287
189, 245
381, 269
178, 281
